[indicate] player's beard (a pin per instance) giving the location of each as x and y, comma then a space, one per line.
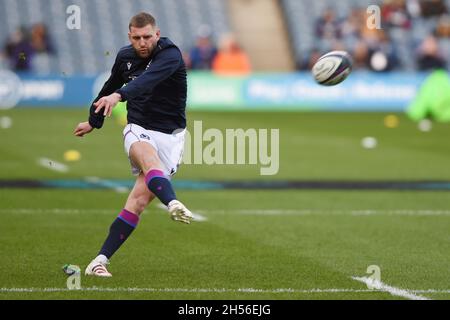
144, 53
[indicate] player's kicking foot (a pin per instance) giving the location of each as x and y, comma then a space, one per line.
179, 212
98, 268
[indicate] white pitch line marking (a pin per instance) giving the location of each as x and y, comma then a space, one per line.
210, 290
108, 184
61, 211
268, 212
378, 285
309, 212
204, 290
52, 165
196, 216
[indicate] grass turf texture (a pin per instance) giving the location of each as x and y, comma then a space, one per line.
232, 249
312, 146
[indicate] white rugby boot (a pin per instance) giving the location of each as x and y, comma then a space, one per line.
179, 212
97, 267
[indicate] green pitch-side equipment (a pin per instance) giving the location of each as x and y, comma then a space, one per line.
433, 98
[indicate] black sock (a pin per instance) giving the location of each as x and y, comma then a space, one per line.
161, 186
119, 232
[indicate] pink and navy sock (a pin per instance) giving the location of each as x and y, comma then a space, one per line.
119, 232
160, 185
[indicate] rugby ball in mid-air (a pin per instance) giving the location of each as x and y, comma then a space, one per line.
332, 68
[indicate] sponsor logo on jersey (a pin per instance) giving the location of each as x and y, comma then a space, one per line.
144, 136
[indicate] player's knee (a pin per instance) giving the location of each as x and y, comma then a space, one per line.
145, 155
150, 163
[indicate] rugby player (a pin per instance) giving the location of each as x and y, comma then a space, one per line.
156, 88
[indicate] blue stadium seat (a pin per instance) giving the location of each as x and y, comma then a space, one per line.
91, 50
301, 17
104, 28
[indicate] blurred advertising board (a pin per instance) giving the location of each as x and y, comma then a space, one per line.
291, 91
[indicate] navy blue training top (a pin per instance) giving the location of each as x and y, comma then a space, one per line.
156, 88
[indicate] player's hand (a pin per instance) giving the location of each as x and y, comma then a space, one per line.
107, 104
82, 129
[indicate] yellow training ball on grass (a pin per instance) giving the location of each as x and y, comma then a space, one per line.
72, 155
391, 121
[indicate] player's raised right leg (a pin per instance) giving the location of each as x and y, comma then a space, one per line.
146, 157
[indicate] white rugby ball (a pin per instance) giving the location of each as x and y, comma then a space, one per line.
332, 68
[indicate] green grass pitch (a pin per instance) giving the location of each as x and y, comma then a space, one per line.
292, 244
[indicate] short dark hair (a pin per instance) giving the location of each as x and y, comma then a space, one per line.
141, 20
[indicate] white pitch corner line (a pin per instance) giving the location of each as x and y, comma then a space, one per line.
196, 217
380, 286
52, 165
